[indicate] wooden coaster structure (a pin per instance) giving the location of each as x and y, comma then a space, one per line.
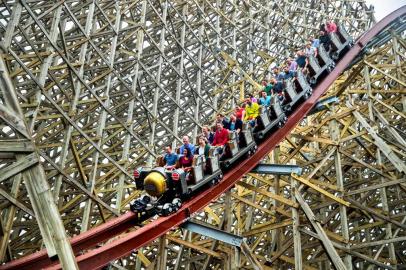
92, 89
349, 203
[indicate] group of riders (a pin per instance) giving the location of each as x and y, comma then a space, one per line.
249, 110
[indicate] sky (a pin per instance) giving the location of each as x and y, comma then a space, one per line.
384, 7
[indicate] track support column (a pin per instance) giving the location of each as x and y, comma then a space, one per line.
45, 209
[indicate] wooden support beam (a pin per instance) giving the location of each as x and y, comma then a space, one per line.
162, 254
297, 241
193, 246
16, 202
375, 187
251, 257
354, 253
268, 194
19, 166
357, 205
322, 191
378, 243
396, 161
268, 227
9, 218
109, 84
22, 146
328, 246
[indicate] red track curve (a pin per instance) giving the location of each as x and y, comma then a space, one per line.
99, 257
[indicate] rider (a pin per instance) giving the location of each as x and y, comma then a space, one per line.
170, 157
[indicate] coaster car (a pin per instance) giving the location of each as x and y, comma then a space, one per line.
341, 41
296, 90
269, 118
238, 145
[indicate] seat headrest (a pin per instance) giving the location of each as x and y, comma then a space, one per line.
231, 135
195, 160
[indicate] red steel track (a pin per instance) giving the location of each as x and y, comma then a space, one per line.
101, 256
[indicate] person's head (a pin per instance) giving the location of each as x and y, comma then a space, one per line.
275, 70
187, 152
219, 126
264, 83
205, 129
300, 53
220, 117
308, 45
286, 69
248, 101
322, 33
202, 141
233, 117
168, 149
273, 81
263, 94
185, 140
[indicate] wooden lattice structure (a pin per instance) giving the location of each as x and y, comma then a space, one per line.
91, 89
350, 200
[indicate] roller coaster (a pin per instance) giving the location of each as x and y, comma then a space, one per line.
166, 189
85, 245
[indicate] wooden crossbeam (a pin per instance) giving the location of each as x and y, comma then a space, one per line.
328, 246
322, 191
268, 194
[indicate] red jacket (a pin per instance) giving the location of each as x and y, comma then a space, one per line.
220, 137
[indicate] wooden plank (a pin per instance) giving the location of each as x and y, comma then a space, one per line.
322, 191
13, 120
267, 227
246, 201
375, 187
388, 107
269, 194
385, 73
378, 243
16, 146
213, 215
251, 256
328, 246
316, 139
193, 246
297, 239
23, 163
357, 205
76, 184
349, 251
17, 203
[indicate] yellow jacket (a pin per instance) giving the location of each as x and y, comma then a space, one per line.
251, 112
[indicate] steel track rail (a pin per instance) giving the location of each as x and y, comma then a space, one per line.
101, 256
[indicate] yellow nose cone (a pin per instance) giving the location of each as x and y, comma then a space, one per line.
155, 184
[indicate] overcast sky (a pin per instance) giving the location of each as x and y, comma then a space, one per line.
384, 7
